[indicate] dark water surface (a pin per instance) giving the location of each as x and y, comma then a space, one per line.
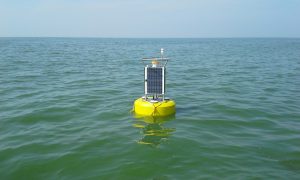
65, 109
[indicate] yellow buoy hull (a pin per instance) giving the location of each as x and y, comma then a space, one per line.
161, 108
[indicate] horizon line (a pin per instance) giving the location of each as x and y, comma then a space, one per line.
237, 37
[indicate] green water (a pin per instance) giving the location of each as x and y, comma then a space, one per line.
65, 109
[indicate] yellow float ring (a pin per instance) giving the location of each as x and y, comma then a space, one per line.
160, 108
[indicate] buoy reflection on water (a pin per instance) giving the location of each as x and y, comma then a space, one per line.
153, 130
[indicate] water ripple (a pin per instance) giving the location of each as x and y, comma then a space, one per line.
65, 102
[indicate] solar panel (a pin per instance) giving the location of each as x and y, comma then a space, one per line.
154, 80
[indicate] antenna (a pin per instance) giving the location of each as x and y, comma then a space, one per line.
162, 52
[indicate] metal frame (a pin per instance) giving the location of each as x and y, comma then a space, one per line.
163, 62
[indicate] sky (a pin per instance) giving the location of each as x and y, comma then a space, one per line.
150, 18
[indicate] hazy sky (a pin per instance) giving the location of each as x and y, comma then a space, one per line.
150, 18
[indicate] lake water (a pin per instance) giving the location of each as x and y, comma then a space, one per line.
65, 109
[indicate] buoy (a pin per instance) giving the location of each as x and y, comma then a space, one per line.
154, 103
156, 108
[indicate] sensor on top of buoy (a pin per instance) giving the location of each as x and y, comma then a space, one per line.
154, 102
